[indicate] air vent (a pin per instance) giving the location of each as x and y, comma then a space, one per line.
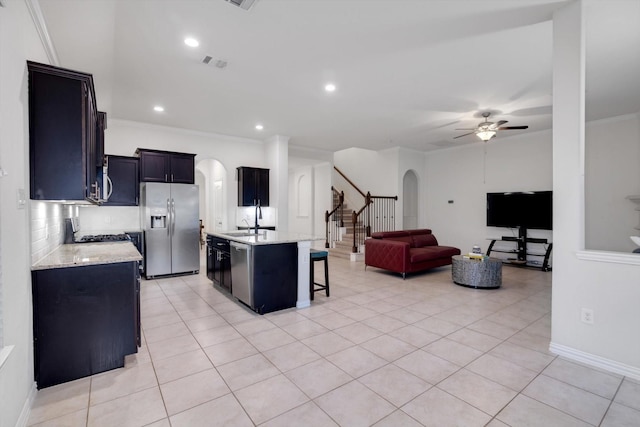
243, 4
219, 63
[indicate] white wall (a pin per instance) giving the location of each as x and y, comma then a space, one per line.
18, 42
277, 153
214, 172
201, 182
465, 174
301, 202
524, 163
109, 219
411, 160
372, 171
612, 159
309, 198
322, 199
605, 282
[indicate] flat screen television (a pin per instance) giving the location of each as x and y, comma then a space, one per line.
529, 209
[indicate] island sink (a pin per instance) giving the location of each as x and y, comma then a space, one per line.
241, 234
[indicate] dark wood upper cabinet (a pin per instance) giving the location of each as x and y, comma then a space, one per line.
65, 151
182, 168
166, 166
253, 186
125, 185
153, 166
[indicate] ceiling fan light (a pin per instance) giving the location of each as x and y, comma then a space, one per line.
486, 135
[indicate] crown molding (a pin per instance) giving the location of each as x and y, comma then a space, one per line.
38, 19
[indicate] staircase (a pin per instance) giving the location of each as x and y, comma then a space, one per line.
345, 239
343, 247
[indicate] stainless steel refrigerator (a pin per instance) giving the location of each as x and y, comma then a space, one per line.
171, 228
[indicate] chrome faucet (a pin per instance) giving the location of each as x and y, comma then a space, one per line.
258, 215
247, 222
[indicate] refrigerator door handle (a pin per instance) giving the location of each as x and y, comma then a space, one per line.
173, 216
170, 217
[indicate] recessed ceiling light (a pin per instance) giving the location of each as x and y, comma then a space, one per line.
259, 127
330, 87
158, 108
191, 42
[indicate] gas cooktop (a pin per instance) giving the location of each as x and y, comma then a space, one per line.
95, 238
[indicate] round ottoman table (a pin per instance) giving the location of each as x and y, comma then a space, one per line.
486, 274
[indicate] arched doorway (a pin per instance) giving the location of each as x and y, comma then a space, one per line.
409, 200
213, 202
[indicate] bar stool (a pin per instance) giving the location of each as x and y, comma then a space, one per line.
313, 286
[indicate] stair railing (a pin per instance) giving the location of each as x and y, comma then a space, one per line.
377, 214
381, 214
361, 224
334, 220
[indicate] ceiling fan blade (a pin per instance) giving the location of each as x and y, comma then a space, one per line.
460, 136
498, 124
513, 127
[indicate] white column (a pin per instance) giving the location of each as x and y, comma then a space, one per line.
568, 169
277, 154
303, 274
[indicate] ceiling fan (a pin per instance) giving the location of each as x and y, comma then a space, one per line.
487, 130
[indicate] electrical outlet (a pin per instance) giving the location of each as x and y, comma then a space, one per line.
22, 198
587, 315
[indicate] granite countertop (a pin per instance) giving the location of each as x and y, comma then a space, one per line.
79, 254
264, 237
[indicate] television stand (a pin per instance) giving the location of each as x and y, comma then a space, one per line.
526, 255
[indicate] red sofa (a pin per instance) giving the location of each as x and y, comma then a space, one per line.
406, 251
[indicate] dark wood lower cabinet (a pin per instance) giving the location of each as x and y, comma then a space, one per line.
85, 320
219, 262
275, 277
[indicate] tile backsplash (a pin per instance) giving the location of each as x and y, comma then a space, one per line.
47, 223
47, 231
248, 214
104, 219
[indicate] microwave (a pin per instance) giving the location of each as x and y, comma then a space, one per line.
103, 186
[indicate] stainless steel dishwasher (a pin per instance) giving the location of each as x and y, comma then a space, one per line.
242, 272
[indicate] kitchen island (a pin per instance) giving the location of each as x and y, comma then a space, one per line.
86, 312
269, 270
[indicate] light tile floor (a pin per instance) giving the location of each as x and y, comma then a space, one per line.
380, 351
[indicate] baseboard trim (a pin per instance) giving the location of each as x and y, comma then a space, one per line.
595, 361
26, 408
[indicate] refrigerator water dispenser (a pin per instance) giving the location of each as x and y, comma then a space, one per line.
159, 221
